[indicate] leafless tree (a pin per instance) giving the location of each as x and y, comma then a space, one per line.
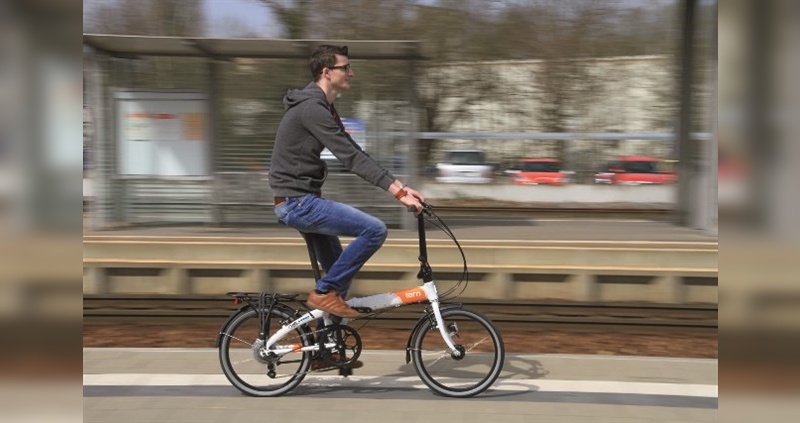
443, 29
560, 33
293, 14
147, 17
153, 18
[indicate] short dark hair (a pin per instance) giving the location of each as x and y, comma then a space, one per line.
324, 56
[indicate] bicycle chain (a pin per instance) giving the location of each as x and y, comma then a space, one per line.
324, 369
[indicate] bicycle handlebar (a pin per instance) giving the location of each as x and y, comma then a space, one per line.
426, 208
425, 272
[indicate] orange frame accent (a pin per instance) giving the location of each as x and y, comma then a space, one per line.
412, 295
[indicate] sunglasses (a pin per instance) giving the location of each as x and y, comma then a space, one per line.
345, 68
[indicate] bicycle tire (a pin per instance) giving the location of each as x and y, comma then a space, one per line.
246, 371
470, 375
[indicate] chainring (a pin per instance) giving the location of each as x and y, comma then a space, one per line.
348, 340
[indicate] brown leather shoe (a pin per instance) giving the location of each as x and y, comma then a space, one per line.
332, 303
319, 364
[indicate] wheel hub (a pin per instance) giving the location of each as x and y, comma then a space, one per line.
459, 353
259, 353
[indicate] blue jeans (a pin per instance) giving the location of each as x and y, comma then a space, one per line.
326, 220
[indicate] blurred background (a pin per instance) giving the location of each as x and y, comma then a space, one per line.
512, 98
594, 103
40, 210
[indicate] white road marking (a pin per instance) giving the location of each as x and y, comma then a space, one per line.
540, 385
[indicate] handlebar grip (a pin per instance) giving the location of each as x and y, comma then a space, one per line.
426, 208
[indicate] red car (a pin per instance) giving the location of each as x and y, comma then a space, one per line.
539, 172
636, 170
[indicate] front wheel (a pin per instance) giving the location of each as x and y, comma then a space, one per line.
464, 375
255, 371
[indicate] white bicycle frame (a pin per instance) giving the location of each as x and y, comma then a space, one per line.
427, 291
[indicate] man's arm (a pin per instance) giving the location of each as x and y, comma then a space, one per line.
318, 120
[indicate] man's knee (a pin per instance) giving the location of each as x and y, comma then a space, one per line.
378, 232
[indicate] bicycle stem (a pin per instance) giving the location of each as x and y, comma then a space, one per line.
425, 272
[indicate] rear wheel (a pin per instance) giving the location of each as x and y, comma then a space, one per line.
255, 371
472, 371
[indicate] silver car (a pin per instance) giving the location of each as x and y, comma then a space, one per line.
464, 166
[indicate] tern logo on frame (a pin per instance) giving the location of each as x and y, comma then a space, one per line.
411, 295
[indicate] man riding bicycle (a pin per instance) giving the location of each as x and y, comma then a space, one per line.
297, 173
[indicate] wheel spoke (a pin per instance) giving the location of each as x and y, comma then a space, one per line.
238, 339
247, 369
443, 354
475, 344
468, 374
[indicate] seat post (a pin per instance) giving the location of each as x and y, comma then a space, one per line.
312, 255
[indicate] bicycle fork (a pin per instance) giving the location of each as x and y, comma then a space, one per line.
433, 297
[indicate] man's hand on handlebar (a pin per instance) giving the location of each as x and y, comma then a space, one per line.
413, 199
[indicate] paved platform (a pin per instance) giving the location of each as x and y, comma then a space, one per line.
186, 385
509, 256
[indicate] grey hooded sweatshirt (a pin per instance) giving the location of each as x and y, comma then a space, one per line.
310, 125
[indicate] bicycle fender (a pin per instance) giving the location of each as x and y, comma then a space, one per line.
428, 315
287, 310
227, 322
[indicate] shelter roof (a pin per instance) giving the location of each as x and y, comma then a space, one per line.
223, 48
